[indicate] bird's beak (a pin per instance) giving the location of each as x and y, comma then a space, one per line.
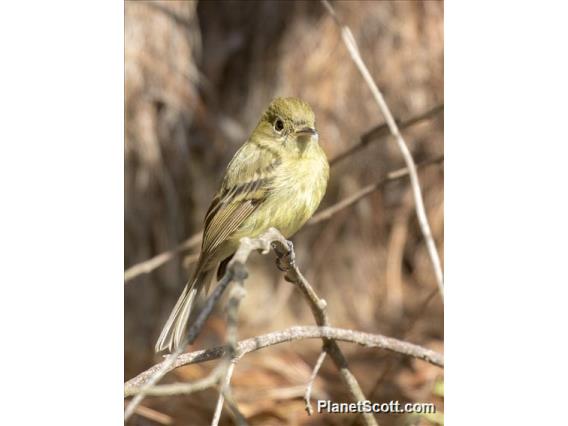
307, 133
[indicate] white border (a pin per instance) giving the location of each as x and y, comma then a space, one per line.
61, 196
506, 212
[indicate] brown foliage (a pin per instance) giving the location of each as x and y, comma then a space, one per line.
197, 76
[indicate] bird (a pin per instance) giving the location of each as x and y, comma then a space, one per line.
277, 178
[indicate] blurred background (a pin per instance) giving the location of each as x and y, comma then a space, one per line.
198, 74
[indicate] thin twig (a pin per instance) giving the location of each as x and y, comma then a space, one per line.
165, 366
143, 383
154, 415
134, 385
362, 193
308, 393
207, 382
286, 261
351, 45
224, 386
390, 364
235, 271
375, 134
234, 409
155, 262
382, 131
237, 293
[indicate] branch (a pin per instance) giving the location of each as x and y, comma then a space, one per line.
308, 393
224, 389
237, 415
382, 131
286, 262
207, 382
351, 45
292, 334
155, 262
154, 415
236, 296
235, 271
362, 193
164, 367
143, 384
410, 325
377, 133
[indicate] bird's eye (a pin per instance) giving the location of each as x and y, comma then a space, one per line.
278, 125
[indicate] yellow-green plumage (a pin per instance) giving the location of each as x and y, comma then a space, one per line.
276, 179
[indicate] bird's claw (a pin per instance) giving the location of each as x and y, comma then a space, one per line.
288, 259
291, 254
281, 265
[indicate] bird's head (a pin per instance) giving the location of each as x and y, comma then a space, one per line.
289, 122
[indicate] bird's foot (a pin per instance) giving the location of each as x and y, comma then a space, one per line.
287, 260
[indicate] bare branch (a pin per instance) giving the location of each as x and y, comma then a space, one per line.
235, 271
192, 334
144, 383
362, 193
160, 372
207, 382
237, 415
222, 370
292, 334
351, 45
390, 364
382, 131
154, 415
375, 134
235, 298
308, 394
285, 253
224, 389
155, 262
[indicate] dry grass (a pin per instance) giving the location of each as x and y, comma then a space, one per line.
197, 78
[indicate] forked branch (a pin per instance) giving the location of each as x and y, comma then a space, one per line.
145, 383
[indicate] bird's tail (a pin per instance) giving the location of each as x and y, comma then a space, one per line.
173, 332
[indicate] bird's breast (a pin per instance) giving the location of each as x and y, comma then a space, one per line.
296, 194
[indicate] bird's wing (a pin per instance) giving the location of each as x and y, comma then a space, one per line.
246, 184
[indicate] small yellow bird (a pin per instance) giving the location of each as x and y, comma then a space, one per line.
276, 179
